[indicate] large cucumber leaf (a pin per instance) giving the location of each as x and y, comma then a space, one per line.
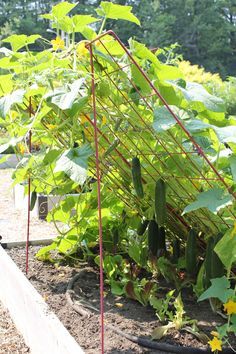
74, 162
117, 12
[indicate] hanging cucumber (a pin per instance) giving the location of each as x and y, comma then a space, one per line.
191, 253
217, 267
112, 147
160, 202
176, 250
214, 268
142, 227
153, 234
33, 200
207, 262
117, 125
136, 177
161, 249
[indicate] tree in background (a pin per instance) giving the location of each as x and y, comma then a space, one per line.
205, 29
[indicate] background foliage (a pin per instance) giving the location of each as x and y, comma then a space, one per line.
205, 29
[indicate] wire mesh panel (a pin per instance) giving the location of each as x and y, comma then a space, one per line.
134, 120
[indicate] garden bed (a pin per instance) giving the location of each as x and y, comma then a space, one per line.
127, 315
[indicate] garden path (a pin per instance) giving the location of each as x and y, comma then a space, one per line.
13, 223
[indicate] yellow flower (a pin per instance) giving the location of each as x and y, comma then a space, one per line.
215, 344
13, 115
81, 50
233, 233
83, 119
21, 148
58, 43
51, 126
104, 120
230, 307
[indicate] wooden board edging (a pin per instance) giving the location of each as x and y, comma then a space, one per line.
40, 327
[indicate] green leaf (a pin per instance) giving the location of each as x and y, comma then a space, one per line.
168, 72
117, 12
116, 287
19, 41
81, 21
11, 142
213, 199
59, 11
196, 125
6, 102
51, 156
64, 100
139, 80
68, 245
163, 119
197, 93
44, 253
74, 162
226, 134
232, 161
62, 9
142, 52
226, 249
220, 289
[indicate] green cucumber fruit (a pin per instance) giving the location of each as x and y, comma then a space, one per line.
136, 177
153, 235
142, 227
207, 262
191, 253
214, 268
160, 202
176, 250
112, 147
217, 267
33, 200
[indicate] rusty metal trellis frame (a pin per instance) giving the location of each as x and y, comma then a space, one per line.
119, 159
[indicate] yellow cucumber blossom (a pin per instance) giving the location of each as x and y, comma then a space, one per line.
21, 148
58, 43
81, 50
230, 307
233, 233
215, 344
51, 126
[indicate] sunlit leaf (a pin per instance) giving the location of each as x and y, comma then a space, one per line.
117, 12
65, 99
226, 249
220, 289
213, 199
60, 10
198, 94
74, 162
232, 161
19, 41
163, 119
6, 102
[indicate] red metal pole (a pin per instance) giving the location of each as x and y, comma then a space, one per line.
99, 199
28, 206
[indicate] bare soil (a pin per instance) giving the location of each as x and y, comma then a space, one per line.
130, 316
